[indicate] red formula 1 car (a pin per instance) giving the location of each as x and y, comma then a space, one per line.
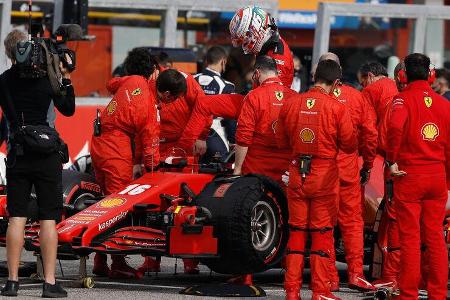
233, 224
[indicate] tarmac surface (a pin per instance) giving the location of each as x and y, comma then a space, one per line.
164, 285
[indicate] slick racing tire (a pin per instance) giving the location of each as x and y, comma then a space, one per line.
250, 215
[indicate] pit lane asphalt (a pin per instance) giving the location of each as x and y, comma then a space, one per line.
164, 285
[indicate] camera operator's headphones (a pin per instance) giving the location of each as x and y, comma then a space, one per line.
403, 78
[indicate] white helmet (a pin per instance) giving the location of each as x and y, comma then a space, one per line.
250, 28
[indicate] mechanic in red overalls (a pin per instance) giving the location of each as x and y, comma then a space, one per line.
418, 152
379, 90
256, 147
175, 106
175, 115
131, 114
315, 127
350, 206
256, 32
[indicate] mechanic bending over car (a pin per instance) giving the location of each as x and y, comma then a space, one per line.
350, 206
175, 114
418, 156
315, 127
130, 115
26, 98
177, 94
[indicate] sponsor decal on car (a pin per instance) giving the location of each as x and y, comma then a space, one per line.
84, 218
75, 221
221, 190
111, 202
89, 186
107, 224
90, 212
66, 228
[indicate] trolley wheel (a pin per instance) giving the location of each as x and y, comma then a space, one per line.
88, 282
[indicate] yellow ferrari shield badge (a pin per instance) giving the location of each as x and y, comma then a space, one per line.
111, 108
337, 92
428, 101
310, 103
279, 95
136, 92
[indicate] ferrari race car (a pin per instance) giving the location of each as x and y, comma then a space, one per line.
233, 224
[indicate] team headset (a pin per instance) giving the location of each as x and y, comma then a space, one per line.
403, 78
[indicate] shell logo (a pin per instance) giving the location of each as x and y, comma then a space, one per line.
111, 202
307, 135
430, 132
84, 218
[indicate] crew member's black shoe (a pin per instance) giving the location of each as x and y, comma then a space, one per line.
10, 289
53, 291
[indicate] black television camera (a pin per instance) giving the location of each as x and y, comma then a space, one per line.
40, 57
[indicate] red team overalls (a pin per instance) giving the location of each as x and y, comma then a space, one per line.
418, 139
130, 114
314, 124
350, 216
380, 94
175, 116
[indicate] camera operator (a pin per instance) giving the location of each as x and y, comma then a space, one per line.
26, 102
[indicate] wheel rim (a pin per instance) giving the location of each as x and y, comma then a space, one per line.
263, 226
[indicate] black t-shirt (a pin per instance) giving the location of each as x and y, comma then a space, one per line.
31, 98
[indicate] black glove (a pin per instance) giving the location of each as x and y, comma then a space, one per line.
364, 175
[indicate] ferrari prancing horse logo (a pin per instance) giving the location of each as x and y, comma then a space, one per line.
310, 103
337, 92
428, 101
136, 92
279, 95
